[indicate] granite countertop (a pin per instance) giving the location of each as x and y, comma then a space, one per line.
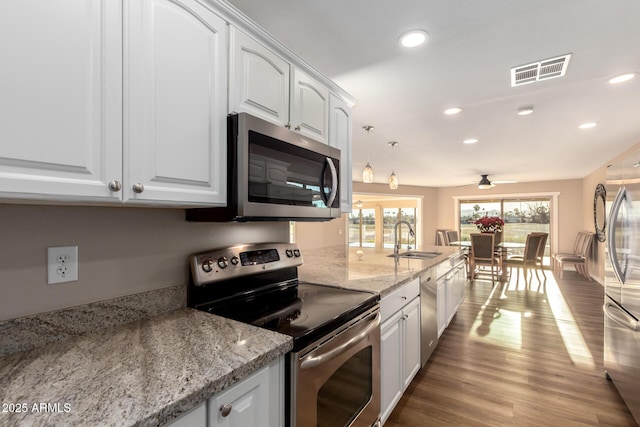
143, 373
373, 271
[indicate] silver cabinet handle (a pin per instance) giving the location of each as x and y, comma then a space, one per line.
138, 188
115, 186
297, 127
225, 410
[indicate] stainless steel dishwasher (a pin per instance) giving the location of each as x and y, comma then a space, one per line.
428, 315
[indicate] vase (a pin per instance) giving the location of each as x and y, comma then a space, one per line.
497, 236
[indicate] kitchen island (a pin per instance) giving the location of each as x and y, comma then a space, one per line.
143, 373
373, 271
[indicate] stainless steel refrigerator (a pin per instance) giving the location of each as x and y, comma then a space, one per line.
622, 281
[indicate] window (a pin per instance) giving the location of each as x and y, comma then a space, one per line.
371, 225
362, 228
521, 217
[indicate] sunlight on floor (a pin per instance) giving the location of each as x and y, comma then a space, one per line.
571, 335
496, 325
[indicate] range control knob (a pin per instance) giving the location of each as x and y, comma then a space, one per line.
296, 252
289, 253
207, 266
223, 262
235, 260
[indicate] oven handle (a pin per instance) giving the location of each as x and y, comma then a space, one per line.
312, 360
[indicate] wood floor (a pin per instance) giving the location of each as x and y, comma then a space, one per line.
518, 357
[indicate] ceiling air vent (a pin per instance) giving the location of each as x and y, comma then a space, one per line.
541, 70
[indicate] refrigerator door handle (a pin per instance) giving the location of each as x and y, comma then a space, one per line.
616, 314
611, 237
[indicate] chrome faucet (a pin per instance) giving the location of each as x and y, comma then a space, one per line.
396, 243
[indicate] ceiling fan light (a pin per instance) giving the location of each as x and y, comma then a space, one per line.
484, 183
393, 181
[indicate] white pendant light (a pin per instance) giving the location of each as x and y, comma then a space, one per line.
393, 178
367, 173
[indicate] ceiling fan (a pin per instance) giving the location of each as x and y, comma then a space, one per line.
485, 184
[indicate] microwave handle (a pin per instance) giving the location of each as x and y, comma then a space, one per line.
334, 183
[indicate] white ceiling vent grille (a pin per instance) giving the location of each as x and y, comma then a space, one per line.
541, 70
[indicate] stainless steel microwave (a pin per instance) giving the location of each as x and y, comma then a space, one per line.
275, 174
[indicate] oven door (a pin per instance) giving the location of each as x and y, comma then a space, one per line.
337, 383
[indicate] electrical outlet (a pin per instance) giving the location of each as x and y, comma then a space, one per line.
62, 264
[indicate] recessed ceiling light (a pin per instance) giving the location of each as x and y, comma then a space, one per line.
414, 38
588, 125
453, 110
525, 111
470, 141
622, 78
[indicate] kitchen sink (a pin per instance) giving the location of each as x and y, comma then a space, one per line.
416, 254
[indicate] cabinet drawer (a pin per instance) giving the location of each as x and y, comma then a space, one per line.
399, 298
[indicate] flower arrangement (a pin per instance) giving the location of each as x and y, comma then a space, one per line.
489, 224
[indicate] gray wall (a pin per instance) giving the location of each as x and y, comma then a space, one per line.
121, 251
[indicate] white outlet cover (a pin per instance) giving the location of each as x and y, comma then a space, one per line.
62, 264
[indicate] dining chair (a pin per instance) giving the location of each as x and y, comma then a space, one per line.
579, 260
441, 238
452, 236
529, 259
483, 255
577, 246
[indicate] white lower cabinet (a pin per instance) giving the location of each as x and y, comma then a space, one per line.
400, 344
256, 401
450, 294
195, 418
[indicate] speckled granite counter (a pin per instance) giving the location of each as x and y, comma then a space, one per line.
373, 271
143, 373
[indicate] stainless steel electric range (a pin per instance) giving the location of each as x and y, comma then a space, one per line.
333, 371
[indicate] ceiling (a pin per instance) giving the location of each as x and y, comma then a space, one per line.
466, 62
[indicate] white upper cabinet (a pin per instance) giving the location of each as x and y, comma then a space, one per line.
264, 84
309, 107
340, 137
258, 80
60, 103
175, 97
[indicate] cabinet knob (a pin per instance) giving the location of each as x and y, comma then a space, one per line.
115, 186
405, 317
225, 410
288, 125
138, 188
403, 297
297, 127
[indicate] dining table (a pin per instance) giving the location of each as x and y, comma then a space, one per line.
503, 247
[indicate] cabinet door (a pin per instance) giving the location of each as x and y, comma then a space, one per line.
175, 97
60, 102
411, 338
245, 404
391, 377
340, 137
309, 107
258, 80
195, 418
